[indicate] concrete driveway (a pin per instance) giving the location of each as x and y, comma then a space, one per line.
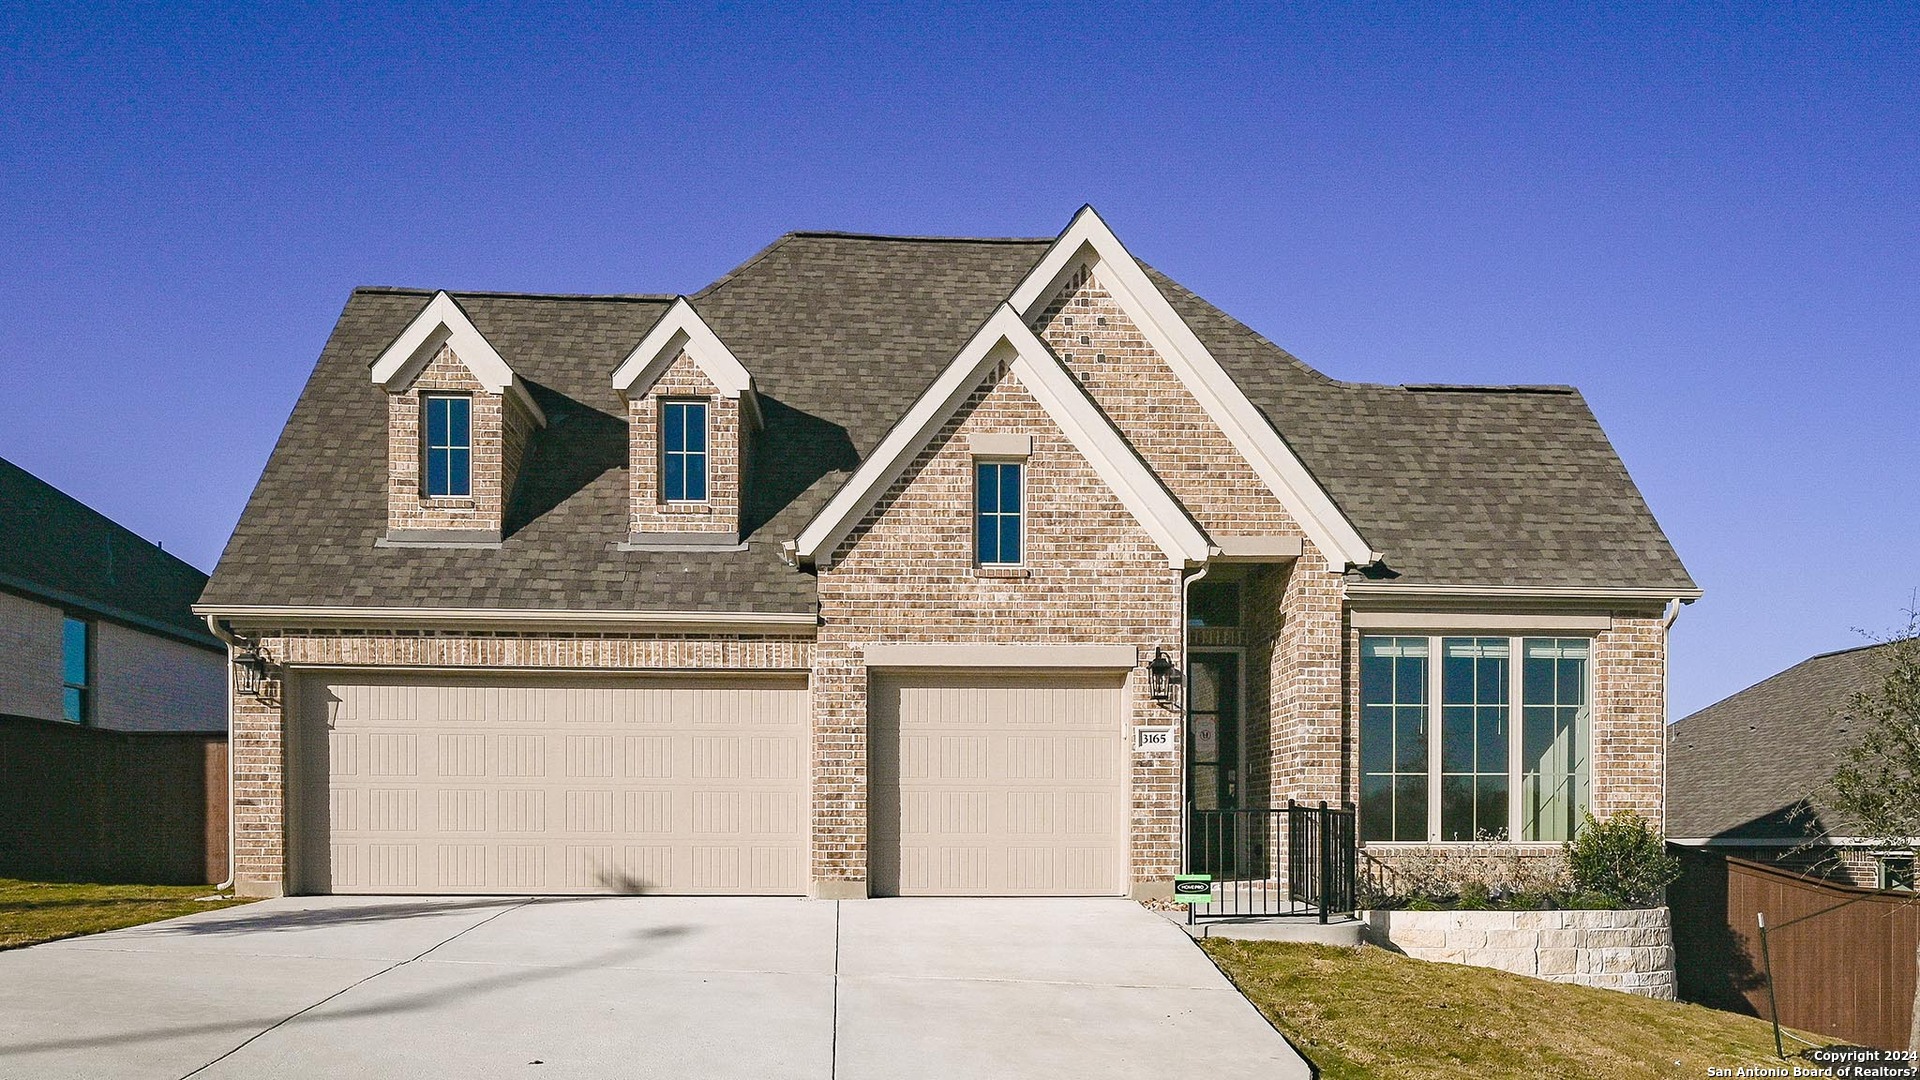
634, 986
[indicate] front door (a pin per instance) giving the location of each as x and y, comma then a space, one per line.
1213, 762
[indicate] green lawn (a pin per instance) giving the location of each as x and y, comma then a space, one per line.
35, 911
1364, 1013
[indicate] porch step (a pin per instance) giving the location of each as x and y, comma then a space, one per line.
1304, 928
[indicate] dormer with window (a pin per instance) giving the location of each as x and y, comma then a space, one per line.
458, 424
691, 416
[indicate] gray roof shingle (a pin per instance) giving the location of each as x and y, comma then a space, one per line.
842, 333
56, 548
1743, 767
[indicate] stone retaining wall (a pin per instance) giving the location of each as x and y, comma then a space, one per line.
1630, 950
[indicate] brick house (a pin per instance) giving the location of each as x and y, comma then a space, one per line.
96, 626
849, 574
1749, 773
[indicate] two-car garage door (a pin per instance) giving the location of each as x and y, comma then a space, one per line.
476, 784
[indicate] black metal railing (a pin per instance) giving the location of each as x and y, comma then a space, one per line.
1293, 860
1240, 851
1323, 859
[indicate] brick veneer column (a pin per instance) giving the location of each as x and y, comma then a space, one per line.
1630, 716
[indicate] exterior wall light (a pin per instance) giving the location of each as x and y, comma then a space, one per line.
251, 664
1162, 676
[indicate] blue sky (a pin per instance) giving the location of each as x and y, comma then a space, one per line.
1703, 216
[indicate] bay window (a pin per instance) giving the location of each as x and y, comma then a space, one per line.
1473, 738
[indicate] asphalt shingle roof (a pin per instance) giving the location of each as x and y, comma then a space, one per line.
842, 333
1742, 767
56, 548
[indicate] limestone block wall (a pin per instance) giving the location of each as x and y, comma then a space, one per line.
1627, 950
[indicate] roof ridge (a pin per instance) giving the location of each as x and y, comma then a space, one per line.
1485, 388
405, 290
838, 234
1854, 649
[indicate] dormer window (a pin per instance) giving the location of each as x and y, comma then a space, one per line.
683, 451
998, 535
449, 457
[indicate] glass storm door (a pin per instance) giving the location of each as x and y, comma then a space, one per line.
1213, 761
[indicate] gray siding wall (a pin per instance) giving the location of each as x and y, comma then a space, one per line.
141, 681
144, 682
29, 658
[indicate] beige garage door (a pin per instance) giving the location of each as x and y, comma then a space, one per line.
499, 785
997, 785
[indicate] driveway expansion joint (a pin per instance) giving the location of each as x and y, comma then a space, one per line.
290, 1017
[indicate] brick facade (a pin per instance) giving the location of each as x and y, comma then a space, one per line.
906, 575
1094, 577
501, 430
1091, 333
651, 512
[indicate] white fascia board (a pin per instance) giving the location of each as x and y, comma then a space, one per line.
681, 328
279, 615
1006, 338
1087, 239
1379, 590
444, 322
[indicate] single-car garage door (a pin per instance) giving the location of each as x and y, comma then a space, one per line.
477, 784
991, 785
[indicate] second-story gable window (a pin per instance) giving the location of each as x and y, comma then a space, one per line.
449, 463
683, 451
999, 504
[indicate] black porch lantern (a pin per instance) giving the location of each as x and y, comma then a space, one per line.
251, 664
1160, 672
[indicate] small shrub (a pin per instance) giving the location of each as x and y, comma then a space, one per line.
1621, 860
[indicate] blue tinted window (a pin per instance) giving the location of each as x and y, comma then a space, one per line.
683, 451
997, 520
75, 668
449, 445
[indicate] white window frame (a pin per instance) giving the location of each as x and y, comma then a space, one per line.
1882, 858
427, 448
976, 513
705, 454
1516, 697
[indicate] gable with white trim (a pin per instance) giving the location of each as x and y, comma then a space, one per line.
1120, 369
1005, 353
1088, 252
443, 325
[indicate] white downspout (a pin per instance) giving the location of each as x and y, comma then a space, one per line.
221, 632
1186, 676
1667, 619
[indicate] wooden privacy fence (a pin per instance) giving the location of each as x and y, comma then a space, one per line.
80, 803
1843, 957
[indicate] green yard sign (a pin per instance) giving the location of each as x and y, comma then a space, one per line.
1192, 888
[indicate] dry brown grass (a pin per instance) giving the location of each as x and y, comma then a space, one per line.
1367, 1013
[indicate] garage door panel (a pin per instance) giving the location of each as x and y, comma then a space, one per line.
997, 784
517, 787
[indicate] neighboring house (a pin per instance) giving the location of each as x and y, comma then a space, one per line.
859, 572
1745, 774
96, 626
